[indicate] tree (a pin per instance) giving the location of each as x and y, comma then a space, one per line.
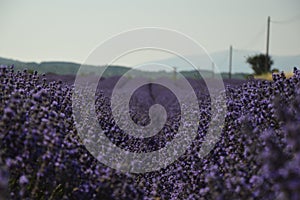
260, 63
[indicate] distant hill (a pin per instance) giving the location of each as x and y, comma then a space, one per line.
221, 59
70, 68
43, 67
60, 68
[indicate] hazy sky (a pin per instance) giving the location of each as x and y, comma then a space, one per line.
37, 30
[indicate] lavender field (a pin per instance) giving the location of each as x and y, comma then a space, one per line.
42, 156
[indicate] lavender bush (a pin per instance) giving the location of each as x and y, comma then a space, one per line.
42, 157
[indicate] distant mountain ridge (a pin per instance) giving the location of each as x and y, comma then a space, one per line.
220, 58
71, 68
43, 67
55, 67
240, 68
239, 65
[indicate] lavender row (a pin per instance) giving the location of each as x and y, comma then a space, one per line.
256, 157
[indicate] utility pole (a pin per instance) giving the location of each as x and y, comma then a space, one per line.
213, 70
268, 38
230, 61
174, 73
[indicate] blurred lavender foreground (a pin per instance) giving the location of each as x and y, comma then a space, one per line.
42, 157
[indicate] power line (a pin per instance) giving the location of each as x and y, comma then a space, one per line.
287, 21
262, 30
225, 60
254, 40
221, 63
